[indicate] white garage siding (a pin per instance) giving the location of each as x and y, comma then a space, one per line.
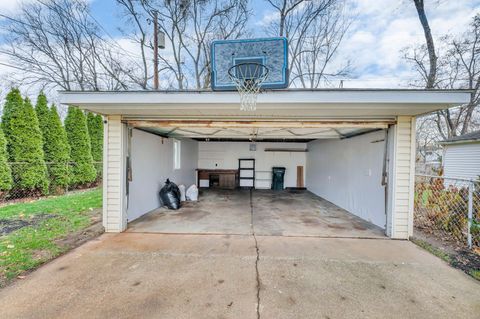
462, 160
114, 217
404, 177
152, 163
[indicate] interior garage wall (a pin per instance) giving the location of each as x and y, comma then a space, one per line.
152, 164
348, 173
225, 155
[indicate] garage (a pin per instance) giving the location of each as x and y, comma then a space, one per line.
348, 157
234, 177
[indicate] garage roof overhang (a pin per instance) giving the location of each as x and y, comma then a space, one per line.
281, 114
292, 103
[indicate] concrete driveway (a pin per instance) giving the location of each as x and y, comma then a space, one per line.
133, 275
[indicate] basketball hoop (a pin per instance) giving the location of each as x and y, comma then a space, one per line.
248, 78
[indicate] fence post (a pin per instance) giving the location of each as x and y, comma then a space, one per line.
470, 214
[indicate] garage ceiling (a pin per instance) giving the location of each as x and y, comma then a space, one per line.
254, 130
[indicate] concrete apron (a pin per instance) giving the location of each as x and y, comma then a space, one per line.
133, 275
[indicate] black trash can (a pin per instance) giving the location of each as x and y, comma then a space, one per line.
278, 174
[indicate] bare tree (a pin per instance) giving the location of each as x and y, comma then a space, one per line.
459, 68
430, 73
189, 26
465, 57
56, 43
211, 21
315, 30
138, 34
284, 8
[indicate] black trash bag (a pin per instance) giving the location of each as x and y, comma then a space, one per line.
170, 195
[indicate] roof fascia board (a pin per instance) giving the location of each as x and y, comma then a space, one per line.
270, 97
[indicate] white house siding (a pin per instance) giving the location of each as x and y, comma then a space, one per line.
462, 160
404, 176
114, 218
152, 164
348, 173
225, 155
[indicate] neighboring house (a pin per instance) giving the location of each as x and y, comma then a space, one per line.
355, 148
461, 156
428, 159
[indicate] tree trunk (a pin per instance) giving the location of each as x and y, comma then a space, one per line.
432, 74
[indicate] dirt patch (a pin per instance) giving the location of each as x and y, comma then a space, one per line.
42, 255
80, 237
10, 225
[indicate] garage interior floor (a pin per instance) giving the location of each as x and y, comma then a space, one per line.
263, 212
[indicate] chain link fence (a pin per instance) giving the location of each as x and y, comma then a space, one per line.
28, 181
448, 209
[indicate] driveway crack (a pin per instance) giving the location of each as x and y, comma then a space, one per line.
258, 254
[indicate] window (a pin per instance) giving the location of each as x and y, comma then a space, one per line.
177, 154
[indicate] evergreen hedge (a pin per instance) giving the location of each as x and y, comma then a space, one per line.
5, 172
55, 144
13, 102
82, 170
95, 131
24, 144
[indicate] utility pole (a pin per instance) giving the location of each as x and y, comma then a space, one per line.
155, 50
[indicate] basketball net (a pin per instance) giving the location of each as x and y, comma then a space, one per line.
248, 79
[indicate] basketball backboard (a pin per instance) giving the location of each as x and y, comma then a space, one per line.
269, 52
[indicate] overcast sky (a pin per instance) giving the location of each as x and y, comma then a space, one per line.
374, 42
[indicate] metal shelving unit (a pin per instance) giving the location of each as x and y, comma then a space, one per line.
246, 172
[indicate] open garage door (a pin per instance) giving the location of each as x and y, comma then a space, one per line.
333, 184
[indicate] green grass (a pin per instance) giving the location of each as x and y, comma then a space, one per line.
30, 246
475, 274
58, 204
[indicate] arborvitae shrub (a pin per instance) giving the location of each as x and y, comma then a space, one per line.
24, 145
55, 145
5, 172
82, 169
95, 131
